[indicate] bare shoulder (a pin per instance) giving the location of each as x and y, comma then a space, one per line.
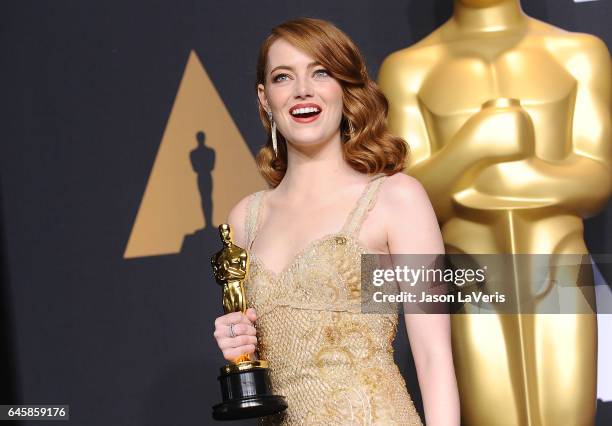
411, 223
401, 190
237, 220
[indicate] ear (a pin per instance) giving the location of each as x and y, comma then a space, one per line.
263, 99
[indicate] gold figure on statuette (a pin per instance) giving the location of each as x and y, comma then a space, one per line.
245, 382
230, 267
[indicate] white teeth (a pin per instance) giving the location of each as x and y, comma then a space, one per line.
304, 110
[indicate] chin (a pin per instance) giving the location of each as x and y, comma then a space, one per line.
303, 142
308, 138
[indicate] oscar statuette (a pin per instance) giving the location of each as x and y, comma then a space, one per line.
245, 385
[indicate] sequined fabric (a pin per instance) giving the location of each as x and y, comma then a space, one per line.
333, 364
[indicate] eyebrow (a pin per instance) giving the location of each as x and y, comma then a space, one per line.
290, 68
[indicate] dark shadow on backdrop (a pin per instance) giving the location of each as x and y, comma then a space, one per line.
203, 162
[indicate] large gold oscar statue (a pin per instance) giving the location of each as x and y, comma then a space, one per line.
508, 120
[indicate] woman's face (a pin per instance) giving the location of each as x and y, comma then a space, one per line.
306, 103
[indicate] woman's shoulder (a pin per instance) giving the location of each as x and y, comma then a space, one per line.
401, 188
402, 197
411, 222
237, 218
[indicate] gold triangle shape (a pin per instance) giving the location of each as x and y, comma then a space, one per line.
171, 207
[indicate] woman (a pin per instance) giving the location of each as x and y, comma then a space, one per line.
336, 193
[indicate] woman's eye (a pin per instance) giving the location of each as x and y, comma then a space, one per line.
321, 73
280, 77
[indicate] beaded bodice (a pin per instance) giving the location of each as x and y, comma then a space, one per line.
333, 364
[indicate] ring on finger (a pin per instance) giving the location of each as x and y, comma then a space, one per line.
232, 333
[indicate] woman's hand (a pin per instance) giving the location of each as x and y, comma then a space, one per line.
244, 340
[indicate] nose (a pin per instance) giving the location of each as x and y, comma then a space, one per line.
303, 88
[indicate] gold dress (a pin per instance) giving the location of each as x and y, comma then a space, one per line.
333, 364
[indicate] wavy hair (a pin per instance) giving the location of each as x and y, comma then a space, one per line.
370, 147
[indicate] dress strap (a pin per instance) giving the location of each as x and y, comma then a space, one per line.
363, 206
252, 217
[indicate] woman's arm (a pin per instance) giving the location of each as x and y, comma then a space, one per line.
412, 228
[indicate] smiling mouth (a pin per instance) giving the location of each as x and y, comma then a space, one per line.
306, 112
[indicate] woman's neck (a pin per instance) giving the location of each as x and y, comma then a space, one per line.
315, 170
488, 16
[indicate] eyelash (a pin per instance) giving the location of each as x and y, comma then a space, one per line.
275, 79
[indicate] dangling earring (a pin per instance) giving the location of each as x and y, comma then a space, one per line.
273, 130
